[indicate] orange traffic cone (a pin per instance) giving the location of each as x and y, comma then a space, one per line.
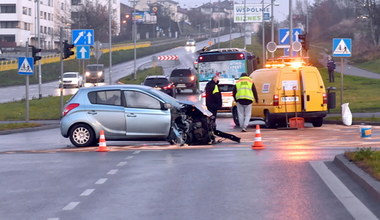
258, 144
102, 143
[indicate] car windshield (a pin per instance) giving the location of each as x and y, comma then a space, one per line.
226, 87
94, 68
156, 82
70, 75
181, 73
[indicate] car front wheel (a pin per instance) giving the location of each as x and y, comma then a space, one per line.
235, 116
82, 135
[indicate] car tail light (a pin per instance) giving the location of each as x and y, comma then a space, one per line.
276, 100
168, 86
241, 56
324, 98
192, 78
68, 108
200, 58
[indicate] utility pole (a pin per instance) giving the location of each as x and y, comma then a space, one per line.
134, 30
272, 26
263, 34
290, 29
110, 39
245, 24
39, 46
61, 62
27, 88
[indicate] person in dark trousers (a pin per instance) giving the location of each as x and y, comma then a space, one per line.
244, 93
213, 95
331, 67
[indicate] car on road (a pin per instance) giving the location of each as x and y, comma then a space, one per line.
72, 79
190, 42
134, 112
94, 73
162, 83
184, 78
226, 86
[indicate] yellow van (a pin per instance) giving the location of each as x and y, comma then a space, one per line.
287, 89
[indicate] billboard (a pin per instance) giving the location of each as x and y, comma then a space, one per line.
145, 17
253, 13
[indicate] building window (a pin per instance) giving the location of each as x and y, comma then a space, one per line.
8, 24
76, 2
8, 8
24, 10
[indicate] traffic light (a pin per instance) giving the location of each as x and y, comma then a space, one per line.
34, 53
303, 40
67, 49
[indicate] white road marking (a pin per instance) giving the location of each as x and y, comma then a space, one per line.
353, 205
136, 152
87, 192
53, 219
121, 164
112, 172
129, 157
70, 206
101, 181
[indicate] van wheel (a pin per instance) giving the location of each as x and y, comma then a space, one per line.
317, 122
195, 91
269, 123
178, 91
235, 116
82, 135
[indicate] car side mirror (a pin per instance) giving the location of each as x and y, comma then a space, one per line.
167, 106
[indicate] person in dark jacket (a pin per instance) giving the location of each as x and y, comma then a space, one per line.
244, 94
213, 95
331, 67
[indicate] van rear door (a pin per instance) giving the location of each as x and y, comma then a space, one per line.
312, 91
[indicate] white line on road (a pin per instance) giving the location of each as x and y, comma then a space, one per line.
129, 157
70, 206
353, 205
53, 219
101, 181
87, 192
136, 152
112, 172
121, 164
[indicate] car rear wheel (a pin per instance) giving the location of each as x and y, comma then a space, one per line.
82, 135
235, 116
317, 122
269, 122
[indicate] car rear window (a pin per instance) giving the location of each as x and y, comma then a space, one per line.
156, 82
70, 75
226, 88
181, 73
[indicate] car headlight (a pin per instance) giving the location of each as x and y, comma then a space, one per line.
100, 73
87, 73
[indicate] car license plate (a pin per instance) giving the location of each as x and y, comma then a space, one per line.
289, 99
181, 85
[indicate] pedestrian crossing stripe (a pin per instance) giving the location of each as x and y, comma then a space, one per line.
25, 67
341, 47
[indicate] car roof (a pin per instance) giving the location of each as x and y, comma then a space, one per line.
71, 73
116, 87
156, 76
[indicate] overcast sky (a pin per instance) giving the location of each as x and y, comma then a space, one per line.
280, 12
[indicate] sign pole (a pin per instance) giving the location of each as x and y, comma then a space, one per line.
341, 83
27, 90
61, 62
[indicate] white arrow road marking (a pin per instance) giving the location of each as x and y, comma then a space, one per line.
284, 38
79, 36
89, 35
83, 52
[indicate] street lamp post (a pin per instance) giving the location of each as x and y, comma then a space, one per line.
110, 39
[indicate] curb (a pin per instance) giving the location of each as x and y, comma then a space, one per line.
39, 128
366, 181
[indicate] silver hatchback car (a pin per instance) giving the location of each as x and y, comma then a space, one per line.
133, 112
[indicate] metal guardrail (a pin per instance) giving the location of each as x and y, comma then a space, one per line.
13, 64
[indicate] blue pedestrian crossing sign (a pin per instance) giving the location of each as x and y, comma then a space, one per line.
83, 52
342, 47
83, 37
25, 65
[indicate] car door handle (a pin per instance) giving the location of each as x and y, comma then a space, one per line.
131, 115
92, 112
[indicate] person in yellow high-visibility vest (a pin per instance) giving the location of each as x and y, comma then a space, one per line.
244, 93
213, 95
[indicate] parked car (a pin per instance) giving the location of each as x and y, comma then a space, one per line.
162, 83
184, 78
72, 79
134, 112
190, 42
226, 86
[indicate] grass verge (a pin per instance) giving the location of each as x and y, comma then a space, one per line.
141, 74
12, 126
367, 159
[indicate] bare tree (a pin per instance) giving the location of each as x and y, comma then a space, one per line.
369, 12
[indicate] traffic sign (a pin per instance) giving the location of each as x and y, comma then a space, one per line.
342, 47
271, 46
25, 65
83, 52
284, 35
168, 57
83, 37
